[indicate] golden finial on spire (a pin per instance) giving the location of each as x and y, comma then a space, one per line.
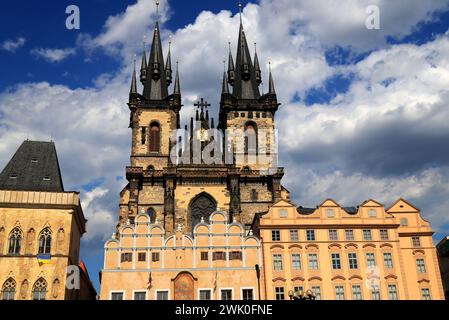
157, 10
240, 10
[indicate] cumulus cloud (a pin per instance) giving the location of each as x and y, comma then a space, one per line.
13, 45
377, 140
53, 55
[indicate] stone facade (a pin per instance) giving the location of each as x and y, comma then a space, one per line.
29, 214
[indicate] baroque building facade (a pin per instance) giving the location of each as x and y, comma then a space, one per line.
40, 229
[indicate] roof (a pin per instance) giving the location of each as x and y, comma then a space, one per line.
443, 247
34, 167
350, 210
305, 211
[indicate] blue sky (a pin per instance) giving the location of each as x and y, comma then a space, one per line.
361, 114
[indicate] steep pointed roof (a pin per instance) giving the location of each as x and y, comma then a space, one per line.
245, 86
225, 88
34, 167
271, 89
177, 88
156, 83
168, 68
143, 66
133, 90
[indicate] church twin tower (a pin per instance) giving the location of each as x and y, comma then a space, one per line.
181, 193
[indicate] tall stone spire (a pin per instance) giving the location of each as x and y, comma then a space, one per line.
177, 88
257, 70
231, 68
143, 65
168, 69
155, 87
224, 88
271, 89
133, 90
245, 84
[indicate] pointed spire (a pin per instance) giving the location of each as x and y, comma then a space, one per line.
133, 90
212, 123
177, 89
224, 88
231, 68
155, 85
271, 89
168, 69
143, 65
245, 84
257, 66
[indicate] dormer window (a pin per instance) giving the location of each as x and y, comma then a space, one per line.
330, 213
34, 160
13, 176
283, 213
47, 178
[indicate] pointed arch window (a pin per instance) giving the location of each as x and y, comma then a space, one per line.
45, 241
40, 289
152, 214
250, 137
9, 289
15, 240
155, 137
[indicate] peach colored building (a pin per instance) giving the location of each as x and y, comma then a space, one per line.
217, 262
365, 252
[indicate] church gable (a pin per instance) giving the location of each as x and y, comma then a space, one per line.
402, 205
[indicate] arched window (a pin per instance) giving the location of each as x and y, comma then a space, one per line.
9, 289
152, 214
40, 289
15, 239
45, 241
251, 137
155, 137
202, 206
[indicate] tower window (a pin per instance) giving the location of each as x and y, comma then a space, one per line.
45, 241
155, 137
143, 137
250, 137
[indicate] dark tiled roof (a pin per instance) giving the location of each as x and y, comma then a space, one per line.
34, 167
350, 210
305, 211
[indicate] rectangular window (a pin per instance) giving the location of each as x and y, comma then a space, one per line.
155, 256
235, 255
336, 262
353, 263
144, 135
277, 262
142, 256
140, 295
356, 292
317, 291
226, 294
370, 260
162, 295
247, 294
375, 292
313, 261
384, 234
219, 255
425, 294
204, 256
127, 257
296, 261
310, 235
333, 235
416, 241
388, 260
205, 295
117, 296
294, 236
349, 235
420, 265
275, 235
392, 292
339, 293
279, 293
283, 213
367, 236
372, 213
299, 289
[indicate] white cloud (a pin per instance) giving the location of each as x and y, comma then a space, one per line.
13, 45
90, 125
53, 55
